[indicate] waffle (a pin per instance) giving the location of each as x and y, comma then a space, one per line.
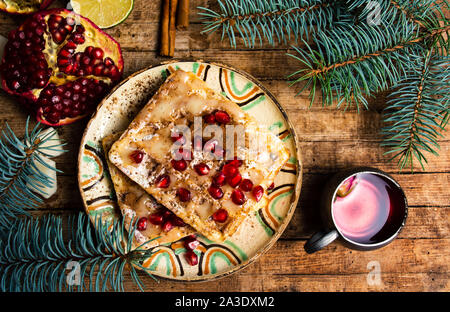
183, 100
136, 203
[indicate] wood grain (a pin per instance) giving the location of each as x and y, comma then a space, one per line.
329, 139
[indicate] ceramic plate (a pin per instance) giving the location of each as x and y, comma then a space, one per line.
259, 231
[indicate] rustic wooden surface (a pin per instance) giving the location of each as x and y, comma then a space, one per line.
329, 139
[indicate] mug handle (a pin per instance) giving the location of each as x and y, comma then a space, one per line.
320, 240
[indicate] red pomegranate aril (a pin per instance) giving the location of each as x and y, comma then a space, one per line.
229, 170
234, 181
179, 165
167, 226
238, 197
137, 156
178, 137
258, 192
220, 215
191, 258
202, 169
156, 218
271, 186
108, 61
191, 243
177, 221
246, 185
219, 179
167, 214
235, 162
210, 118
183, 194
215, 192
98, 69
97, 53
222, 117
163, 181
142, 224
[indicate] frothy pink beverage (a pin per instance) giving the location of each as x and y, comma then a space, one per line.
367, 207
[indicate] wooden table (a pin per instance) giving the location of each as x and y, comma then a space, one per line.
329, 139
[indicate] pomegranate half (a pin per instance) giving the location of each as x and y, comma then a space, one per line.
60, 65
23, 6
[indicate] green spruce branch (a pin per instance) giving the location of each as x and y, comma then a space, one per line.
275, 21
418, 110
19, 170
48, 254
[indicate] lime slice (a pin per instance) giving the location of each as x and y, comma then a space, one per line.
104, 13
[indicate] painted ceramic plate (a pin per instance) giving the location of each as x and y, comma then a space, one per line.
257, 233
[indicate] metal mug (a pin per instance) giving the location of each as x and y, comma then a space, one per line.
332, 232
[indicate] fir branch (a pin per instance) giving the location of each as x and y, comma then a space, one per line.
429, 15
18, 167
418, 110
35, 256
276, 21
352, 62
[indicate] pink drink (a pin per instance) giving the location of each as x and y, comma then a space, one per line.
367, 208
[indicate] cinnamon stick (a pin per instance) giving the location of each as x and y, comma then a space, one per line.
183, 14
164, 51
172, 29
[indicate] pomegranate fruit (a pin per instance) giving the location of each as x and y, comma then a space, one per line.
23, 6
60, 65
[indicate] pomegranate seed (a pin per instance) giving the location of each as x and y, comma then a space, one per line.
142, 224
220, 215
219, 179
98, 69
229, 170
201, 169
238, 197
97, 53
137, 156
222, 117
167, 214
178, 137
191, 258
271, 187
258, 192
156, 218
235, 162
183, 194
215, 192
191, 243
210, 118
177, 221
210, 146
163, 181
185, 154
246, 185
108, 61
234, 181
179, 165
167, 226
